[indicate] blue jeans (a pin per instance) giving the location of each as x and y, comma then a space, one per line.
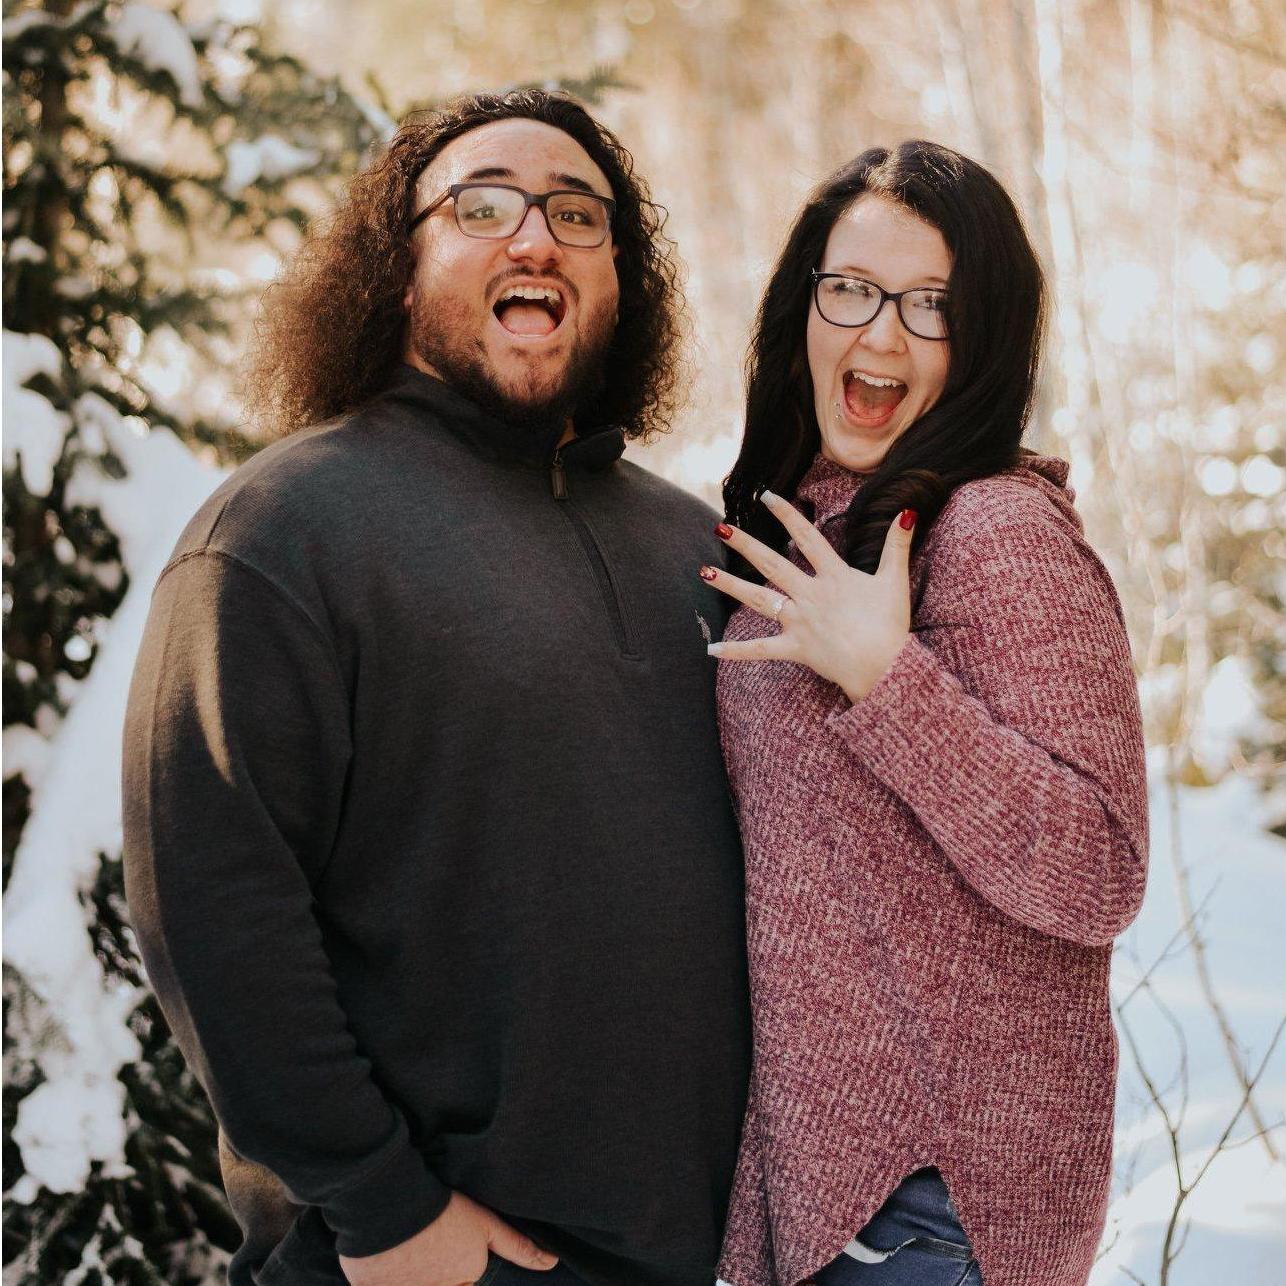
500, 1272
915, 1239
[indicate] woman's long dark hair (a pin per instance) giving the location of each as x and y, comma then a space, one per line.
996, 320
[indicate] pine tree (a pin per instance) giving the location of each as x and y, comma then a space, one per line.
141, 156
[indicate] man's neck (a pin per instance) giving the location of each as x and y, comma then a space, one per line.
412, 358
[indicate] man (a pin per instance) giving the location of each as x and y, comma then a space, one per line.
428, 843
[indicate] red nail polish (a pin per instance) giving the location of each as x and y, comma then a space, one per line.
906, 519
723, 531
708, 573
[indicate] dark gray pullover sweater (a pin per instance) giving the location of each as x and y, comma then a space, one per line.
429, 849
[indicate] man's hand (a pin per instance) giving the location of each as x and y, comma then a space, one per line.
451, 1251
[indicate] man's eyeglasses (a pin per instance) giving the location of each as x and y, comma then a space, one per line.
494, 210
852, 301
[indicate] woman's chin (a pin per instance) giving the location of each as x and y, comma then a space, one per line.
857, 448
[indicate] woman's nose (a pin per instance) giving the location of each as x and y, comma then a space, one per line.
883, 332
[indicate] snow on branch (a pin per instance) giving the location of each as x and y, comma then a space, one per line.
76, 1116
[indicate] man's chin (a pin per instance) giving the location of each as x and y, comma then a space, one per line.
539, 405
531, 382
538, 388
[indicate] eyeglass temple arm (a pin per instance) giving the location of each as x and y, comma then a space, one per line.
428, 210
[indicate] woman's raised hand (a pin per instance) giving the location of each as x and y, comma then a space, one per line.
844, 624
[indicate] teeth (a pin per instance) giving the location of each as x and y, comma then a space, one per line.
546, 293
874, 381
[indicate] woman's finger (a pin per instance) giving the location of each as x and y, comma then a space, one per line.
895, 557
781, 571
808, 540
772, 648
767, 602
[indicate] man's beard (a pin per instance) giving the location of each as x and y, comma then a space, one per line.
437, 340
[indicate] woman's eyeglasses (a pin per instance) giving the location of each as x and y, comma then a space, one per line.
853, 301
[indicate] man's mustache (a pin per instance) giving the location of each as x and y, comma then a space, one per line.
512, 274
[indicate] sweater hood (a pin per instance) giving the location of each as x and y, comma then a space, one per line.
828, 488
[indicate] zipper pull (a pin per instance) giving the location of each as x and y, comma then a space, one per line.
558, 476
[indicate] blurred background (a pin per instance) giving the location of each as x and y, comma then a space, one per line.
159, 167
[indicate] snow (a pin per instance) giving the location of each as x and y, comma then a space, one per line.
24, 22
380, 121
33, 428
76, 1116
269, 157
74, 287
25, 250
1238, 1214
1237, 872
160, 42
1229, 711
25, 752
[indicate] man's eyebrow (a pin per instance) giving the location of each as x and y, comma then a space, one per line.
573, 181
490, 172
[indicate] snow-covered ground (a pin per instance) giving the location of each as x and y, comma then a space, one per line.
1237, 1212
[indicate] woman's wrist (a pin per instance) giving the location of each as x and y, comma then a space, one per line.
859, 681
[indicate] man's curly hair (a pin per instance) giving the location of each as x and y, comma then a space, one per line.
333, 328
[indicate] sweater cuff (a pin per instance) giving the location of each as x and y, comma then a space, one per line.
387, 1207
896, 728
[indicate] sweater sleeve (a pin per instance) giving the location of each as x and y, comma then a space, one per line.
237, 747
1011, 726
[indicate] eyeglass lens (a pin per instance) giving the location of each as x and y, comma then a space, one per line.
849, 301
573, 218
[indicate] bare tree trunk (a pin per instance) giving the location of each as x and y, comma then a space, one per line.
958, 34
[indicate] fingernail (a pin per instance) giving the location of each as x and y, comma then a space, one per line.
766, 496
723, 531
714, 649
906, 519
708, 573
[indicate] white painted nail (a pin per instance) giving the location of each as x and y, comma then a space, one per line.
768, 496
714, 649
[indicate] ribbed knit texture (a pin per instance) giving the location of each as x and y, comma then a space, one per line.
935, 876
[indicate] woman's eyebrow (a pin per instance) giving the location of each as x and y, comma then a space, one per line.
853, 270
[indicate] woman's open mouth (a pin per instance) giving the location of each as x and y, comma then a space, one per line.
870, 400
530, 312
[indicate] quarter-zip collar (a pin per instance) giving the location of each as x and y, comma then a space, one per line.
495, 438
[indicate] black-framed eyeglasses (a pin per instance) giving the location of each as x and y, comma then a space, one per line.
494, 210
854, 301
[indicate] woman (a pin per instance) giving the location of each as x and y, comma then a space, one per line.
932, 732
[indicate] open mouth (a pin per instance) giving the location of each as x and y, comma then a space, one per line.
870, 400
530, 311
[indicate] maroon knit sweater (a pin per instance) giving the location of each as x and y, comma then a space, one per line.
934, 879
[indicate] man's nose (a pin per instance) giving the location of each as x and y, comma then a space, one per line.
883, 333
533, 240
